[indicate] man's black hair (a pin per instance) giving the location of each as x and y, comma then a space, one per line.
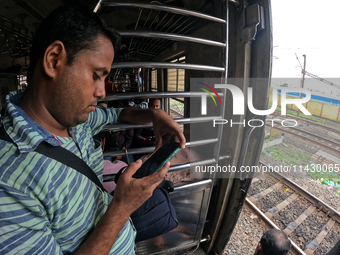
76, 27
275, 242
153, 99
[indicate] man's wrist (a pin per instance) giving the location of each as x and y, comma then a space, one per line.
151, 114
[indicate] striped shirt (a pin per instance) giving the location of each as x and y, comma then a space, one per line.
47, 207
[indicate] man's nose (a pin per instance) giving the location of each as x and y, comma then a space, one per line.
100, 91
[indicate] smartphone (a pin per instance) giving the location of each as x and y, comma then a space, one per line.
157, 159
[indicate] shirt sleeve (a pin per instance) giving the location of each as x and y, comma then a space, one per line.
103, 116
24, 227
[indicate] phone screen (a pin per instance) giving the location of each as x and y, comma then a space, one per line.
157, 159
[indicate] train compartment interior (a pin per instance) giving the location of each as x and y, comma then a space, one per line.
166, 44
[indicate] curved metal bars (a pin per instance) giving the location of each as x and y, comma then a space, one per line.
152, 148
117, 127
170, 36
166, 65
166, 8
145, 95
111, 177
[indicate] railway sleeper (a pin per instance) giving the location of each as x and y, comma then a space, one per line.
293, 225
313, 245
281, 205
265, 192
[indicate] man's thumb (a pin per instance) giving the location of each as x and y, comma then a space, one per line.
133, 167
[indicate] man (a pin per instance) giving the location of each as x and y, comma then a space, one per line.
47, 207
154, 103
273, 242
145, 136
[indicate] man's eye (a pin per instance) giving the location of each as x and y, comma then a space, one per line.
96, 77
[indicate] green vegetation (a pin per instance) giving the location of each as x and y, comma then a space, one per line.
325, 175
177, 104
288, 155
319, 120
269, 139
306, 116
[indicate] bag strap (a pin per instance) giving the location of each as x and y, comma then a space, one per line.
63, 156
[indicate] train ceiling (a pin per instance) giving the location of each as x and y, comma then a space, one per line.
19, 20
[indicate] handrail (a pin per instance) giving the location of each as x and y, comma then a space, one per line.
145, 95
167, 9
152, 148
171, 36
121, 126
166, 65
244, 149
111, 177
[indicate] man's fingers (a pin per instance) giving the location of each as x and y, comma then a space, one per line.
181, 138
158, 142
133, 167
156, 178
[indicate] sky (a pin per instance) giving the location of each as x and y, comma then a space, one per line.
306, 27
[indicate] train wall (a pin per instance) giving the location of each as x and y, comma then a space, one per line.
318, 106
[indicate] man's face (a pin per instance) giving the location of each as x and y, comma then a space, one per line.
155, 103
79, 85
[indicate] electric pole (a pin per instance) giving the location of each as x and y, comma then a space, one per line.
303, 73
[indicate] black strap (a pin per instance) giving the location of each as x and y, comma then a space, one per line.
63, 156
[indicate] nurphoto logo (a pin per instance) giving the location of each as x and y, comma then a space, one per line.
238, 103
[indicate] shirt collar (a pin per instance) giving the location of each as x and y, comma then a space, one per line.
25, 133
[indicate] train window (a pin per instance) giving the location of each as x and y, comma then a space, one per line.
176, 77
154, 80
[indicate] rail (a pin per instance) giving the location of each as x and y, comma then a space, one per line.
146, 95
280, 210
171, 36
295, 250
166, 9
167, 65
309, 196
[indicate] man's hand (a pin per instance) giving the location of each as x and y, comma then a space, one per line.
163, 123
131, 193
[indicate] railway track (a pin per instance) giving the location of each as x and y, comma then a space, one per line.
175, 114
282, 204
308, 121
319, 117
312, 222
329, 144
332, 145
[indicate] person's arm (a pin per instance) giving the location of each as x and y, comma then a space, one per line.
162, 123
103, 116
130, 194
24, 218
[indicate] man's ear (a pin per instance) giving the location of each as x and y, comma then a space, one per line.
55, 57
259, 249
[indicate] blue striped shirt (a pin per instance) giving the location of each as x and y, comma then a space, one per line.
47, 207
